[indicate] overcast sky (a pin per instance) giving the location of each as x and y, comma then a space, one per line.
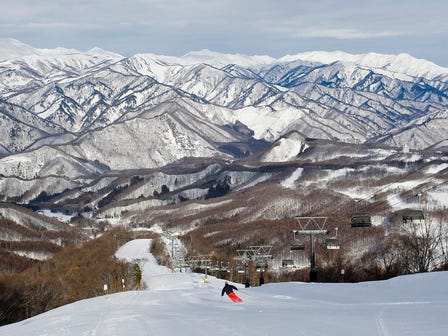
262, 27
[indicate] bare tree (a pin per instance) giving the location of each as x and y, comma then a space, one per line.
422, 241
389, 257
442, 228
10, 304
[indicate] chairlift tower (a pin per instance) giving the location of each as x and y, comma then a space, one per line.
311, 226
203, 262
176, 254
260, 255
245, 256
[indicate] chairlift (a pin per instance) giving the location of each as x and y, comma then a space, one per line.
240, 269
333, 242
260, 267
412, 214
360, 220
215, 268
287, 263
298, 246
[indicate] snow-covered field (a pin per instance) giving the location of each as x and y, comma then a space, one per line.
183, 304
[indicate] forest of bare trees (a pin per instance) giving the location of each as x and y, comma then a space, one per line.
74, 273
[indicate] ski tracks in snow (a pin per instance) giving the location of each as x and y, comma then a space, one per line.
382, 331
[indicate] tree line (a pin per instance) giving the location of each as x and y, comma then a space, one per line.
75, 272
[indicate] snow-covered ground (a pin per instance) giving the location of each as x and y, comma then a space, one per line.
183, 304
59, 216
289, 182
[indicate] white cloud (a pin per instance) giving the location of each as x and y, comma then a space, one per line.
347, 33
336, 33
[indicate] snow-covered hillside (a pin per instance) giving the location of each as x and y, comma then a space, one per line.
183, 304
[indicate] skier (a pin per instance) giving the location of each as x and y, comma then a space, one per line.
228, 289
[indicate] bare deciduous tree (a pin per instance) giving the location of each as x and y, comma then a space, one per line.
422, 241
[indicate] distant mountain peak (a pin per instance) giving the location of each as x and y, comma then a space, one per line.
402, 63
216, 58
101, 52
11, 48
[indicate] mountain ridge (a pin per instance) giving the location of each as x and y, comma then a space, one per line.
226, 86
371, 59
106, 112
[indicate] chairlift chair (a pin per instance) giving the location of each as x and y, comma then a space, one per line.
240, 269
332, 244
287, 263
412, 215
260, 267
298, 246
360, 220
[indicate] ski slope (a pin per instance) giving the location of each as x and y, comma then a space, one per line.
183, 304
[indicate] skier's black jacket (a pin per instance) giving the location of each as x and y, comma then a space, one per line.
228, 289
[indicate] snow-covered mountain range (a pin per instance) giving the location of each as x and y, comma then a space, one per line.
330, 95
70, 117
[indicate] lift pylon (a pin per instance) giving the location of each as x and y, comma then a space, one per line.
311, 226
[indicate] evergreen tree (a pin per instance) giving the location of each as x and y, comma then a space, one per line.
137, 275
